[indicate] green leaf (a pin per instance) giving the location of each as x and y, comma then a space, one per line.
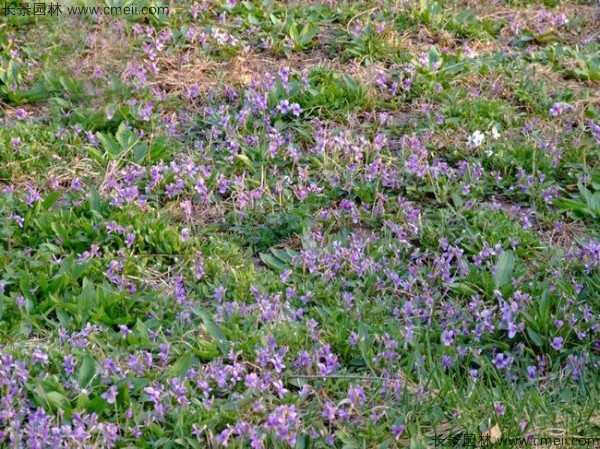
463, 288
50, 200
282, 255
272, 262
94, 200
182, 365
245, 159
87, 370
213, 330
123, 398
308, 32
125, 136
58, 401
85, 301
294, 33
503, 269
110, 145
535, 337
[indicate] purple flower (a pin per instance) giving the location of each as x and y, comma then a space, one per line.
21, 114
296, 109
69, 364
125, 331
447, 337
398, 430
220, 293
185, 234
283, 106
499, 409
556, 109
532, 372
557, 343
284, 422
129, 239
356, 395
40, 357
76, 184
17, 219
446, 361
329, 411
110, 395
501, 361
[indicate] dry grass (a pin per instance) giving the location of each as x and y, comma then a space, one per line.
240, 70
564, 237
107, 47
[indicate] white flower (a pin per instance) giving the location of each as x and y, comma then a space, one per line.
495, 133
476, 139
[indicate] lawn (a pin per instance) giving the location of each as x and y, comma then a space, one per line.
300, 224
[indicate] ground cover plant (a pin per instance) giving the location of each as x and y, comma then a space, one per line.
302, 224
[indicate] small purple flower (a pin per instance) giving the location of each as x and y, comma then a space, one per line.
500, 361
17, 219
69, 364
283, 106
40, 357
185, 234
557, 343
125, 331
284, 422
296, 109
353, 339
220, 293
532, 372
498, 408
199, 266
110, 395
356, 395
21, 114
145, 112
447, 337
329, 411
76, 184
446, 362
398, 430
129, 239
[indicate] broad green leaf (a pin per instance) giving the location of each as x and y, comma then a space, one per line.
86, 372
58, 401
213, 330
182, 365
50, 200
94, 200
535, 337
110, 145
503, 269
272, 262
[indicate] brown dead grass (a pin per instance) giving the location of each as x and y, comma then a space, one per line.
107, 47
564, 238
243, 69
